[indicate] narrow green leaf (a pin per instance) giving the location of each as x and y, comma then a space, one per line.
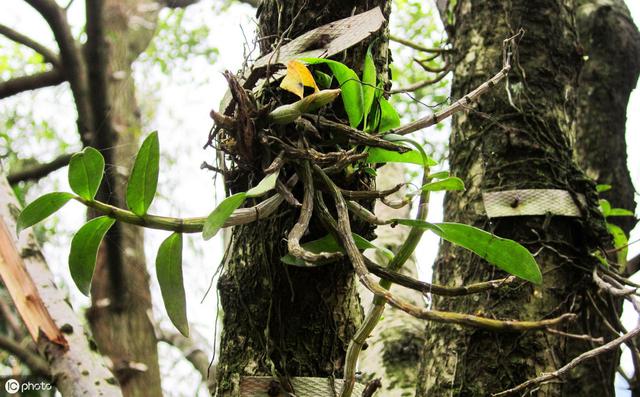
389, 118
324, 80
602, 188
84, 250
368, 82
506, 254
418, 223
620, 242
352, 96
450, 183
169, 271
440, 175
329, 243
41, 208
216, 219
143, 180
266, 184
605, 207
620, 212
379, 155
85, 172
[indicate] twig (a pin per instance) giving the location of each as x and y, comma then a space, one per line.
546, 377
47, 54
420, 84
31, 359
38, 171
370, 194
599, 340
416, 46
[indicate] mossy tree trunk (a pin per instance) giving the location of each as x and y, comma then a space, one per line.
281, 321
519, 141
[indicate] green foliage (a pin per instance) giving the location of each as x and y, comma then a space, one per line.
506, 254
223, 211
369, 79
84, 250
379, 155
86, 169
143, 180
329, 243
169, 272
450, 183
620, 239
41, 209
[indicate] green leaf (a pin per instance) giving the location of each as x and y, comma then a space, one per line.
620, 212
85, 172
379, 155
324, 80
605, 207
84, 250
506, 254
620, 242
388, 118
351, 88
368, 82
440, 175
216, 219
329, 243
266, 184
602, 188
143, 180
450, 183
41, 208
169, 271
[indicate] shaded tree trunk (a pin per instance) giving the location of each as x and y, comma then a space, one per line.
120, 315
287, 321
611, 43
521, 141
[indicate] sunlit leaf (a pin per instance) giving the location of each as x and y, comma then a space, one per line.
383, 116
620, 242
223, 211
85, 172
439, 175
298, 77
450, 183
169, 271
620, 212
605, 207
324, 80
602, 188
41, 208
84, 250
350, 85
368, 82
266, 184
143, 180
379, 155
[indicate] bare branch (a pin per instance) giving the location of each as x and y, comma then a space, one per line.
420, 84
74, 68
47, 54
416, 46
178, 3
31, 359
32, 82
38, 171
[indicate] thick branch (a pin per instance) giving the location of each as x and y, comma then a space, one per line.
73, 65
31, 359
32, 82
47, 54
38, 171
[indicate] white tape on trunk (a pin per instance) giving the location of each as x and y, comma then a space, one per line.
531, 202
258, 386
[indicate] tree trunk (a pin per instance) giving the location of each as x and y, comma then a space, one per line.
120, 315
288, 321
611, 43
520, 141
395, 345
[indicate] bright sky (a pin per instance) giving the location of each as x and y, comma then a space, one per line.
183, 122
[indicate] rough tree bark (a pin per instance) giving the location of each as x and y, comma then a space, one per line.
120, 315
289, 321
611, 43
518, 141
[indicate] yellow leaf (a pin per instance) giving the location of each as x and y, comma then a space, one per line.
298, 77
